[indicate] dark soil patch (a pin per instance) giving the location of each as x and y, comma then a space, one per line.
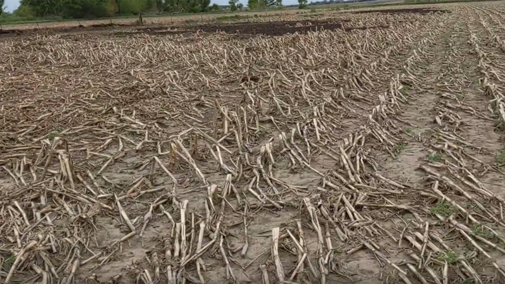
421, 11
156, 30
246, 29
271, 28
276, 28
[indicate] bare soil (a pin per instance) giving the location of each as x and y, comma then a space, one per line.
270, 28
369, 150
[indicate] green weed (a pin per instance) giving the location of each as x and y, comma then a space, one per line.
449, 256
500, 158
405, 90
435, 157
9, 261
482, 231
443, 208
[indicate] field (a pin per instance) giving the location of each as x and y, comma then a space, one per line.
361, 146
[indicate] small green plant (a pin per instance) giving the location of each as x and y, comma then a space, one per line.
435, 157
482, 231
230, 18
443, 208
469, 281
10, 260
500, 158
409, 130
449, 256
405, 90
53, 134
460, 96
399, 148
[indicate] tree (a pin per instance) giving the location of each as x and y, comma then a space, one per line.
187, 6
266, 3
302, 4
2, 7
70, 8
252, 4
233, 5
240, 6
214, 7
279, 3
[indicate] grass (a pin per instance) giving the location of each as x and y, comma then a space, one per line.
443, 208
435, 157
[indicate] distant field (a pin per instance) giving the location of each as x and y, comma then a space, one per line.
172, 19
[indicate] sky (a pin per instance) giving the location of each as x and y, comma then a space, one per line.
12, 5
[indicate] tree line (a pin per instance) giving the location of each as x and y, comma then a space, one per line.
108, 8
254, 4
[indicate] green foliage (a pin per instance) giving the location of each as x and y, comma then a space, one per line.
186, 6
240, 6
9, 261
134, 7
106, 8
89, 8
69, 8
252, 4
24, 11
262, 4
443, 208
302, 4
2, 6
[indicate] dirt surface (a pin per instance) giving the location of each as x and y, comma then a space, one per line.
421, 11
346, 155
270, 28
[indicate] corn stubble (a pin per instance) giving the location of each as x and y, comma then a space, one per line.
195, 145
